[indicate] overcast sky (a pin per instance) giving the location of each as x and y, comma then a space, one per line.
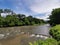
37, 8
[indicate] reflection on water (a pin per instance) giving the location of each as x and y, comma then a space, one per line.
23, 35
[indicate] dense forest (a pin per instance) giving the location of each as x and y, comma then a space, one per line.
13, 19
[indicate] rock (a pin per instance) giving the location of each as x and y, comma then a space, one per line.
2, 36
32, 35
41, 36
37, 35
8, 34
22, 32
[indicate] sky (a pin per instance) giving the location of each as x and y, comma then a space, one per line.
38, 8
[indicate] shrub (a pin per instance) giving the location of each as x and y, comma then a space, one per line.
55, 32
45, 42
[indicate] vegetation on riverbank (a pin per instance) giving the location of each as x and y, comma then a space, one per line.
14, 19
45, 42
55, 32
55, 17
55, 22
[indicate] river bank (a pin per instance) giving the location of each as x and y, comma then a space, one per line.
23, 25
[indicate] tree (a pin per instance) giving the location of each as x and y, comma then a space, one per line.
26, 21
13, 19
1, 11
55, 17
9, 11
30, 18
2, 21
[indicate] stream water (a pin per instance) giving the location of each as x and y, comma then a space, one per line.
23, 35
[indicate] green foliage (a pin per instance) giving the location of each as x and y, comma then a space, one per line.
55, 32
1, 10
12, 20
44, 42
55, 17
58, 42
7, 10
2, 21
17, 19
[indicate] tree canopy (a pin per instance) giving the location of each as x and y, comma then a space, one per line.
55, 17
17, 19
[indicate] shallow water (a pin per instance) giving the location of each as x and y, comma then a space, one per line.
21, 35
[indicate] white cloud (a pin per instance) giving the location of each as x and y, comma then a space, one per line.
44, 5
36, 6
45, 17
39, 6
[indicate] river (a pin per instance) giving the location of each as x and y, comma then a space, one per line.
24, 34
